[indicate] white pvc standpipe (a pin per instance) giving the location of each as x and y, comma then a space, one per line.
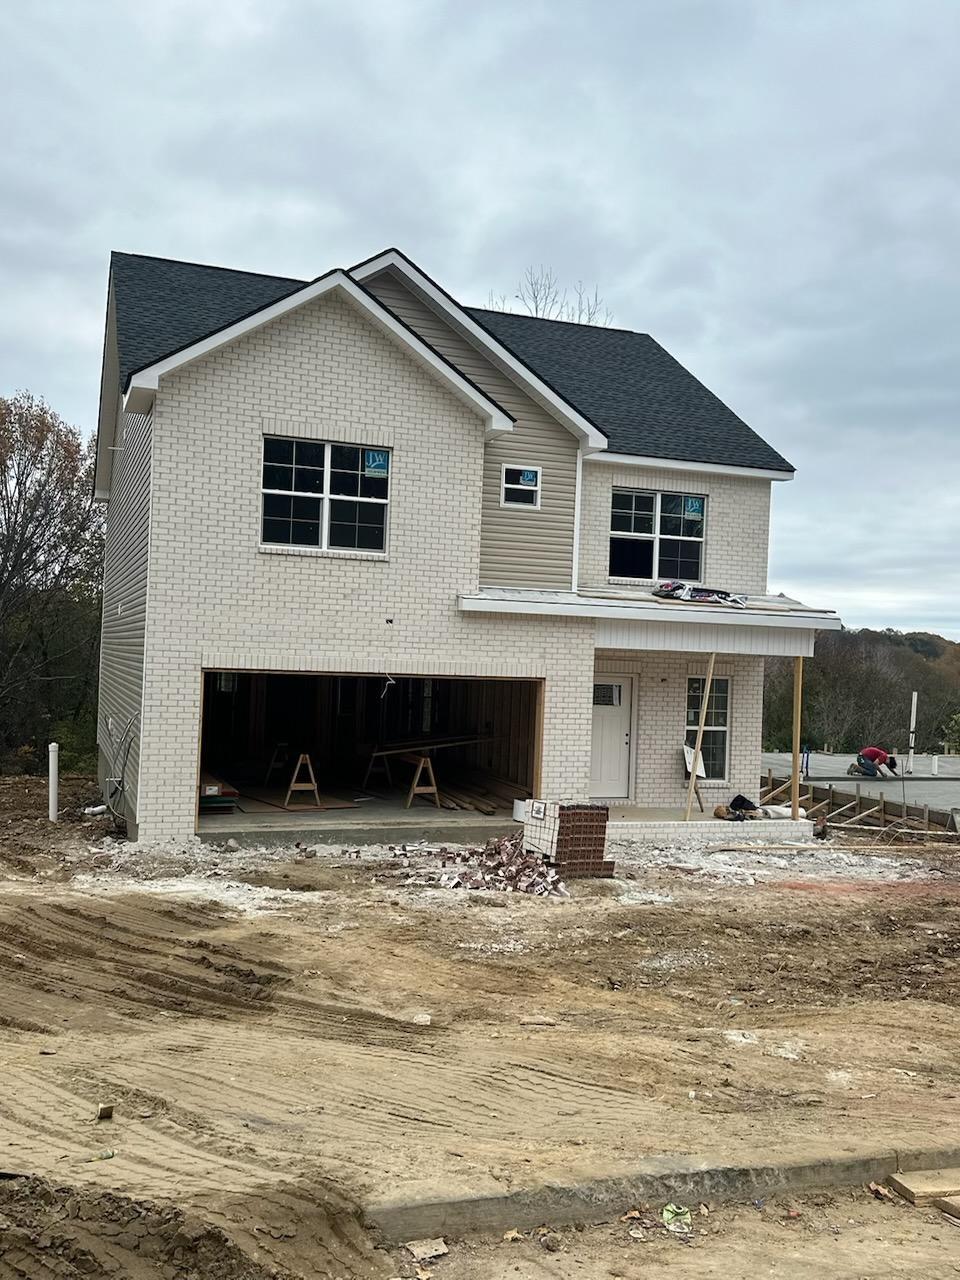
934, 765
54, 778
913, 731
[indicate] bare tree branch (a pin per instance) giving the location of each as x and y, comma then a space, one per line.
540, 293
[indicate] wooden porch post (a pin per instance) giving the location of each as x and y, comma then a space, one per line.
700, 727
797, 705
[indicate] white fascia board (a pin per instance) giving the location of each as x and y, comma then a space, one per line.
682, 464
143, 385
571, 418
810, 621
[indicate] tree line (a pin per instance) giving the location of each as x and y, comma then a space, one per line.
51, 553
857, 692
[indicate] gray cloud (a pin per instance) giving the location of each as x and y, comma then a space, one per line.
771, 189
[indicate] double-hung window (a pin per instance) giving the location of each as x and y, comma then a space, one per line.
320, 494
520, 487
714, 749
656, 535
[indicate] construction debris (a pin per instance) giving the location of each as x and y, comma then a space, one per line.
503, 865
926, 1185
424, 1250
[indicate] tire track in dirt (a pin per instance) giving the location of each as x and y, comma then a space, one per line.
137, 960
60, 1232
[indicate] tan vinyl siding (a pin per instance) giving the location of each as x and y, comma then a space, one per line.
518, 548
125, 606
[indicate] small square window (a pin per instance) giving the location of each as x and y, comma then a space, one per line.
521, 487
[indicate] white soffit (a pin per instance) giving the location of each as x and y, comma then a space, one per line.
641, 611
682, 464
143, 384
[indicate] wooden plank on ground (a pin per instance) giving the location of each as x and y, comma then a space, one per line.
923, 1186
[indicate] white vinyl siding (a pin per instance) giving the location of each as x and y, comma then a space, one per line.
517, 549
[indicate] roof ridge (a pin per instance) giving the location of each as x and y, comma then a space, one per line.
573, 324
204, 266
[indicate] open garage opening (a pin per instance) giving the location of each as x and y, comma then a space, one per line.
284, 750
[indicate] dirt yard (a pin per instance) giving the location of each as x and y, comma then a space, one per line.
288, 1035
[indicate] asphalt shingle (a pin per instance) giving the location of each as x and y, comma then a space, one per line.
644, 400
641, 398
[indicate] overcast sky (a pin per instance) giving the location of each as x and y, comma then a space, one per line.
771, 189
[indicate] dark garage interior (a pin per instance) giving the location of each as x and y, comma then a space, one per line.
295, 742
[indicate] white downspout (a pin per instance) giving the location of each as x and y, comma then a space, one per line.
575, 570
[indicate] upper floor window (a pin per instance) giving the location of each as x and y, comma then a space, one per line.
656, 535
520, 487
320, 494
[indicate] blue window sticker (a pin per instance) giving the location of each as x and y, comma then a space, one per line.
529, 478
693, 508
376, 462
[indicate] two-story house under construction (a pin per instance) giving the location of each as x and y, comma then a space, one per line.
354, 521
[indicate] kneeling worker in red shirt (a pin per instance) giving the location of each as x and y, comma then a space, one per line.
872, 760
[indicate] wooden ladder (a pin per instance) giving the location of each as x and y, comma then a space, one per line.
303, 762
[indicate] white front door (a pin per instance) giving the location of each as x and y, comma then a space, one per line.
610, 746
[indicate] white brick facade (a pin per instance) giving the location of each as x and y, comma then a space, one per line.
737, 524
659, 721
216, 600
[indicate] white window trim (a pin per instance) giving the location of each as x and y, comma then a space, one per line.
325, 497
725, 728
520, 506
657, 495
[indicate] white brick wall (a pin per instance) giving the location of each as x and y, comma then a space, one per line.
737, 525
217, 600
659, 718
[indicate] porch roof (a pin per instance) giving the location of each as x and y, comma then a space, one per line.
769, 625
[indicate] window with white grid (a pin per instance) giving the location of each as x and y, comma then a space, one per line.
319, 494
657, 535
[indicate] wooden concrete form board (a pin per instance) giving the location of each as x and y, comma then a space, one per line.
924, 1186
849, 806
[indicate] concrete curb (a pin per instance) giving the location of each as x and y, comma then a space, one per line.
654, 1181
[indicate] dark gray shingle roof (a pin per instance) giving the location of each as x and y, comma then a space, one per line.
163, 305
641, 398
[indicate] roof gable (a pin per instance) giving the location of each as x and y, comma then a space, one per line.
163, 305
608, 382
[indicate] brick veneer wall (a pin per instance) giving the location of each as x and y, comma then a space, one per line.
737, 524
215, 599
659, 711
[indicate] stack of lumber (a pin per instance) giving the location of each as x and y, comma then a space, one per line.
481, 792
939, 1188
